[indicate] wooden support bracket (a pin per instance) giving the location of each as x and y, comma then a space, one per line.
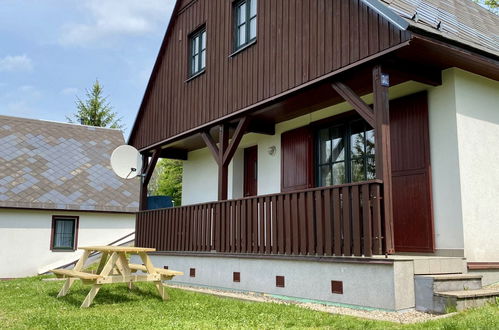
364, 110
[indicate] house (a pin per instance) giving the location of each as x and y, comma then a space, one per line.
58, 192
335, 150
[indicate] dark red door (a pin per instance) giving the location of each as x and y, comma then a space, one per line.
250, 171
411, 175
297, 159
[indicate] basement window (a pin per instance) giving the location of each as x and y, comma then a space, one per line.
244, 23
197, 57
64, 233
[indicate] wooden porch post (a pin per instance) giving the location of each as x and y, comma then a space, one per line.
224, 152
147, 170
383, 150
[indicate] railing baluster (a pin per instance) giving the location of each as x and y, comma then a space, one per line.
366, 222
356, 231
303, 220
319, 223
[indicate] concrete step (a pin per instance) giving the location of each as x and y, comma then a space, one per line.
448, 301
426, 286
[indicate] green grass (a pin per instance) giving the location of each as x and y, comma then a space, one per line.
32, 303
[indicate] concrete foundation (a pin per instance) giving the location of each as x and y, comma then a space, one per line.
382, 284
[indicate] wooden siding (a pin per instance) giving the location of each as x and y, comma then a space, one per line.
337, 220
297, 41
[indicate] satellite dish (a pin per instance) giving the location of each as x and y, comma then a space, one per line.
126, 162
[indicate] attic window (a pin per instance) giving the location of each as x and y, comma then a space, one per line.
64, 233
197, 58
244, 23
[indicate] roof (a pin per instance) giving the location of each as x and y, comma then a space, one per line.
459, 20
50, 165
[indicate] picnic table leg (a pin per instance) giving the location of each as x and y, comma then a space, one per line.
102, 262
70, 281
122, 266
150, 269
108, 267
91, 295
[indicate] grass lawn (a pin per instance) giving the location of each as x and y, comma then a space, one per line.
31, 303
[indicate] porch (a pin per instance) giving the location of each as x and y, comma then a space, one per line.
342, 220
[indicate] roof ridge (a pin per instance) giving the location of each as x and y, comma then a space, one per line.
60, 123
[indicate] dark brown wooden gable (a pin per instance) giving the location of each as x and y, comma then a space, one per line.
298, 41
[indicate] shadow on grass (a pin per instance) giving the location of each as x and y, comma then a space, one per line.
107, 295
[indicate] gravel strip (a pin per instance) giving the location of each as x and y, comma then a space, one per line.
406, 316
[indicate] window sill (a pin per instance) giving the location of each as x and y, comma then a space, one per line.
195, 76
62, 250
248, 45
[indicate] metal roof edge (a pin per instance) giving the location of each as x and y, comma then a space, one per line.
387, 13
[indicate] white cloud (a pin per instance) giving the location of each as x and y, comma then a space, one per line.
69, 91
16, 63
112, 18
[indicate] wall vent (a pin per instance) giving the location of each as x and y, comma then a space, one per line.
236, 277
165, 267
337, 287
279, 281
192, 272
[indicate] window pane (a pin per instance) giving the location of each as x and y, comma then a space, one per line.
195, 64
339, 173
253, 28
370, 146
357, 140
338, 144
358, 172
64, 234
324, 146
203, 59
242, 35
195, 45
203, 40
371, 169
241, 13
325, 175
253, 8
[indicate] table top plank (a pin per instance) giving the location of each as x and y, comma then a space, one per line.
126, 249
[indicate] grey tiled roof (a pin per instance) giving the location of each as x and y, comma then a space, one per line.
49, 165
460, 20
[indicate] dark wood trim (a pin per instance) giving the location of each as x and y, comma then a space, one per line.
223, 167
261, 126
75, 236
414, 71
381, 107
173, 153
355, 101
258, 105
483, 265
236, 139
211, 144
148, 168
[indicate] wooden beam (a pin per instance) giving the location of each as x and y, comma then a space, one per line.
211, 144
236, 138
383, 151
173, 153
143, 189
151, 166
261, 126
223, 168
355, 101
414, 71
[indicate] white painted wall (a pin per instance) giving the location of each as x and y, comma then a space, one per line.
25, 238
464, 118
477, 105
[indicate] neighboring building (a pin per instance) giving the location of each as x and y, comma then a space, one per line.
293, 183
58, 192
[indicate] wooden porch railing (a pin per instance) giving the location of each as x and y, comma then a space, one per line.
338, 220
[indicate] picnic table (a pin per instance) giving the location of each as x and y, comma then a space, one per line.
115, 267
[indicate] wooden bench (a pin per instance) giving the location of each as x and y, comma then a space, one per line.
166, 274
65, 273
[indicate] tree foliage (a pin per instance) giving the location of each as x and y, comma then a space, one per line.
95, 110
167, 180
492, 5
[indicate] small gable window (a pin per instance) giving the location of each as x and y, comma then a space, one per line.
64, 233
197, 62
245, 22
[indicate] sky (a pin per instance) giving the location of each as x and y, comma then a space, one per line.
51, 51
